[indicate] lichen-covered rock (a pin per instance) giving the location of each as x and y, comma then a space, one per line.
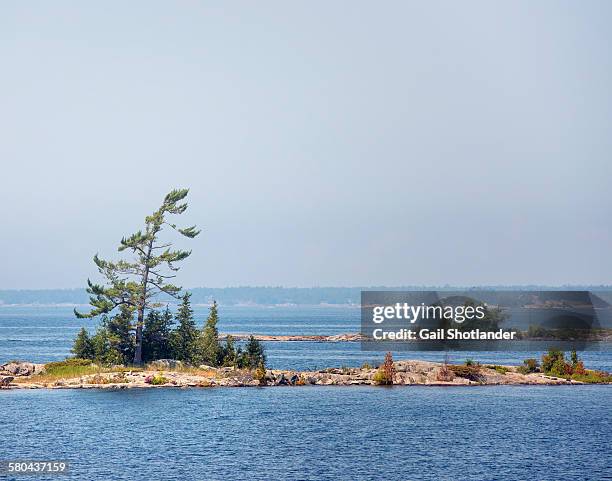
166, 364
18, 368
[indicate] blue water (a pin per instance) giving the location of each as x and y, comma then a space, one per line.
316, 433
307, 433
43, 334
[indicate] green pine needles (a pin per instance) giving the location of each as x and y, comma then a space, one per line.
133, 330
133, 284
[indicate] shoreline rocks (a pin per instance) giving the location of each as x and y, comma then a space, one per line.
21, 368
407, 373
345, 337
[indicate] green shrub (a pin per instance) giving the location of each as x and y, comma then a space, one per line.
366, 365
499, 369
560, 368
158, 380
529, 366
260, 375
380, 378
554, 359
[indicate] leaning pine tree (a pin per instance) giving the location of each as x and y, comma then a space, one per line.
136, 282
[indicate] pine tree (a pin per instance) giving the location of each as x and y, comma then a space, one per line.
184, 338
104, 351
229, 354
574, 358
210, 350
83, 348
136, 283
156, 335
120, 330
253, 354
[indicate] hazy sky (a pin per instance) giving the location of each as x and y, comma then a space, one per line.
325, 143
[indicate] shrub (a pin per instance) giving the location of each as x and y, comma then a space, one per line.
366, 365
529, 366
593, 377
260, 375
386, 373
468, 372
560, 368
157, 380
445, 374
380, 378
579, 368
470, 362
554, 359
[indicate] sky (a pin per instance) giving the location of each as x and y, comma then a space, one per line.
342, 143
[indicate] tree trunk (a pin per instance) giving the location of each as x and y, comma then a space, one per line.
141, 307
138, 352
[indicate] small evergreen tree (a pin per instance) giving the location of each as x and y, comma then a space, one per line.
156, 335
210, 349
574, 358
184, 338
253, 354
103, 351
554, 362
229, 354
83, 348
121, 334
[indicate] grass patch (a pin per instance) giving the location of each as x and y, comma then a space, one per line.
67, 369
500, 369
72, 368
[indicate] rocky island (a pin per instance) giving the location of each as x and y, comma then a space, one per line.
171, 373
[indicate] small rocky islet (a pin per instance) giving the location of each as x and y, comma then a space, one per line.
170, 373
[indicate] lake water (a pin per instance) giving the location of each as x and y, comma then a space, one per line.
306, 433
43, 334
316, 433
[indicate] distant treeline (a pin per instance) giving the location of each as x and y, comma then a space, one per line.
262, 295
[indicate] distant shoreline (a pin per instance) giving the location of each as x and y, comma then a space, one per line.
271, 296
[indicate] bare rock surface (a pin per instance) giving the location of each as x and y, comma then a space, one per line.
172, 374
21, 368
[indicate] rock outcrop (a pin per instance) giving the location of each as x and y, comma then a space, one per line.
21, 368
406, 373
166, 364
